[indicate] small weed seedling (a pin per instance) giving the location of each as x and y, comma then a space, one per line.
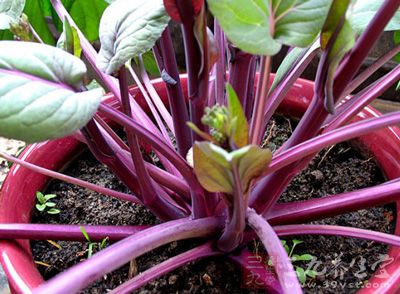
44, 205
93, 245
301, 273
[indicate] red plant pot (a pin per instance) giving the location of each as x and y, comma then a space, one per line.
17, 196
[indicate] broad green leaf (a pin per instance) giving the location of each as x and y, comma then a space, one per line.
127, 29
301, 275
6, 35
252, 27
251, 161
69, 40
150, 64
35, 10
10, 11
239, 125
38, 98
212, 168
287, 64
364, 10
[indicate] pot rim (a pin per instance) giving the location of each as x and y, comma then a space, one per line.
16, 257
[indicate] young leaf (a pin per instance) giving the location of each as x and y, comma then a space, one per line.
10, 11
69, 40
251, 161
239, 125
53, 211
311, 273
84, 233
303, 257
212, 168
50, 204
301, 275
90, 249
297, 242
40, 197
252, 27
49, 196
127, 29
40, 207
364, 10
37, 92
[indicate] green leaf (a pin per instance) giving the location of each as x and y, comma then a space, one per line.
10, 11
69, 40
50, 204
248, 23
251, 161
150, 64
34, 9
311, 273
212, 167
49, 196
127, 29
239, 126
84, 233
53, 211
6, 35
38, 100
297, 242
301, 275
90, 249
40, 197
40, 207
364, 10
304, 257
396, 39
286, 65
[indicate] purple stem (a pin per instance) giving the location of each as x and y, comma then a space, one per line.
66, 232
291, 230
370, 70
239, 75
116, 255
236, 223
71, 180
364, 44
175, 94
349, 109
330, 138
149, 194
328, 206
220, 75
165, 267
281, 261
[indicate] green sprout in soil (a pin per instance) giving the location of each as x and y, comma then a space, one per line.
93, 245
302, 274
44, 205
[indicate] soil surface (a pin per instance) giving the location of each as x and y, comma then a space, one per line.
342, 264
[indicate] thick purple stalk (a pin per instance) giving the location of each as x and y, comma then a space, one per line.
349, 109
291, 230
257, 126
255, 266
111, 258
363, 45
220, 74
281, 90
71, 180
328, 206
149, 194
165, 267
281, 261
362, 77
176, 99
236, 223
66, 232
239, 74
333, 137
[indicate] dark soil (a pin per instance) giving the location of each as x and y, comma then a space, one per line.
343, 264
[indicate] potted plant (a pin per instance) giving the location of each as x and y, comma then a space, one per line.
216, 182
